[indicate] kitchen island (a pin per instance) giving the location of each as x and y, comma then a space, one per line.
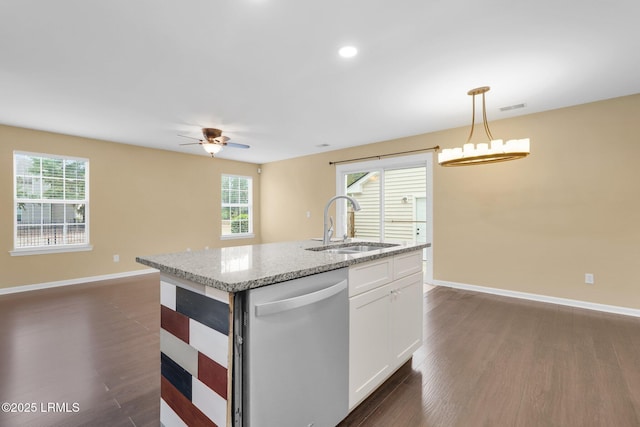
204, 313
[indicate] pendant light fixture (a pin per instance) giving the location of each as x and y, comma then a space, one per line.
488, 152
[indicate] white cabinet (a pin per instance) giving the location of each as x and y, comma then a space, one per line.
406, 318
406, 264
370, 275
369, 331
385, 320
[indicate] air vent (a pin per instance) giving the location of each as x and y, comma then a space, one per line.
513, 107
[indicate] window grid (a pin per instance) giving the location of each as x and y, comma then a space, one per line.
50, 201
236, 206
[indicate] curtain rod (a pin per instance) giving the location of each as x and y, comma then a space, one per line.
436, 148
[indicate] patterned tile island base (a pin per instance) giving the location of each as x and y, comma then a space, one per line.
195, 341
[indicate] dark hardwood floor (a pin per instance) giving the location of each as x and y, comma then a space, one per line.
497, 361
96, 345
486, 361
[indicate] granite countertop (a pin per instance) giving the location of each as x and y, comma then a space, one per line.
238, 268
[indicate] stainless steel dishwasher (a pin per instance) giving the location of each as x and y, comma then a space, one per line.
296, 352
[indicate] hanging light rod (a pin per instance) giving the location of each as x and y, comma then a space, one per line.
487, 152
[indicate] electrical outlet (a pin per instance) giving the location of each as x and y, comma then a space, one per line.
116, 258
588, 279
308, 214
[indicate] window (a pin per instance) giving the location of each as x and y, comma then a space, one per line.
51, 203
237, 215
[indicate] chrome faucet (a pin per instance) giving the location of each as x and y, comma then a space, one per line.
327, 230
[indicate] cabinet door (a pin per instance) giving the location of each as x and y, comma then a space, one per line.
369, 321
406, 318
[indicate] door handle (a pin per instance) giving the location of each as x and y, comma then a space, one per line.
274, 307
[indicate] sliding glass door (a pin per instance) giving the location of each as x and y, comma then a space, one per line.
404, 190
395, 196
365, 187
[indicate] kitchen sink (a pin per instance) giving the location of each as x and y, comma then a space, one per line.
354, 248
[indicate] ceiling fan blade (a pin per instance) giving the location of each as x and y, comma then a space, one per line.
236, 145
190, 137
191, 143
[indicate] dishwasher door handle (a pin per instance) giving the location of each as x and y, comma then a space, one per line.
274, 307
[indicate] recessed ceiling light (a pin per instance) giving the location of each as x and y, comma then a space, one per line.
348, 51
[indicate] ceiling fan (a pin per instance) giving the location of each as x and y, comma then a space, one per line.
213, 141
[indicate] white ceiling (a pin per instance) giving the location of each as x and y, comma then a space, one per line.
267, 71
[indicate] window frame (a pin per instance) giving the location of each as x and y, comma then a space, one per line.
56, 248
249, 205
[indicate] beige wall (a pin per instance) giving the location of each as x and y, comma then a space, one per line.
142, 201
535, 225
293, 188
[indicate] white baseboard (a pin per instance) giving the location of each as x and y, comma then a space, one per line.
542, 298
37, 286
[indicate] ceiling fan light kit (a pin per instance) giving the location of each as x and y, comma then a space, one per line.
212, 147
489, 152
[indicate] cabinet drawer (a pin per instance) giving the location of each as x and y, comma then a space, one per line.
370, 275
407, 264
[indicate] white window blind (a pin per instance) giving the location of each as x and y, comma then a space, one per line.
51, 201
